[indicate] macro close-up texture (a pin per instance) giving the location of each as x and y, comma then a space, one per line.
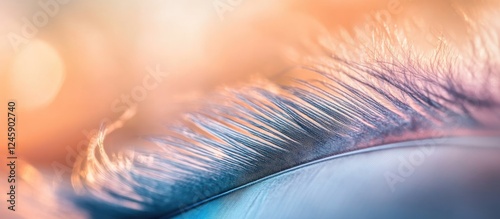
250, 109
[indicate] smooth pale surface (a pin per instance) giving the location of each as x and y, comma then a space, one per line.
446, 182
36, 76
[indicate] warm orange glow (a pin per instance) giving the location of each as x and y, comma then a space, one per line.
36, 76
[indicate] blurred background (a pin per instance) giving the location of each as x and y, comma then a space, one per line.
73, 64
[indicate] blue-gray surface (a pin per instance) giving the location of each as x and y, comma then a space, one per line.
408, 182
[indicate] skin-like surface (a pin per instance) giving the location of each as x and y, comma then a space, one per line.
416, 180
